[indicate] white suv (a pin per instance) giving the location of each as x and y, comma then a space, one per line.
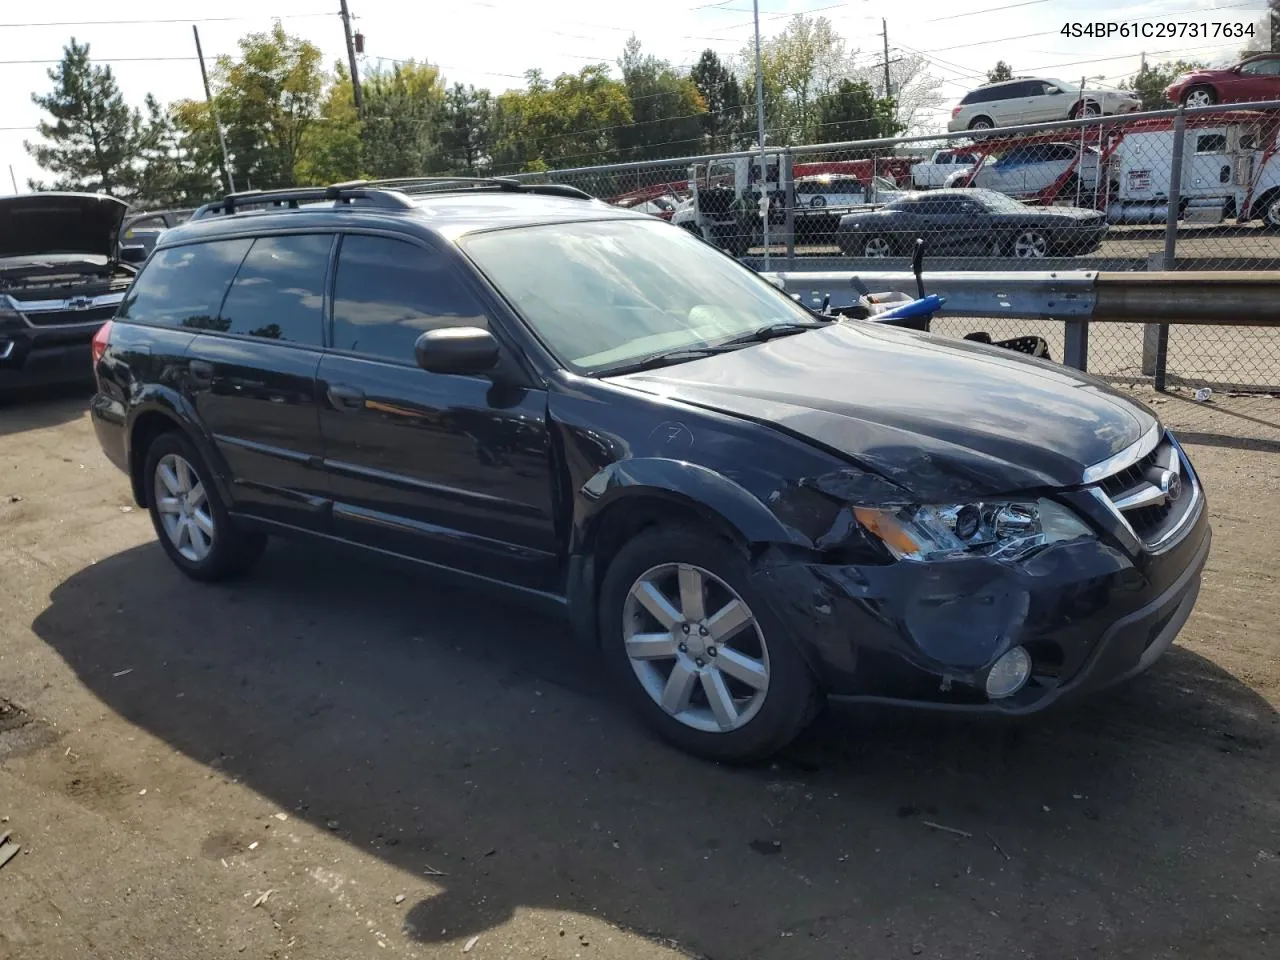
1035, 100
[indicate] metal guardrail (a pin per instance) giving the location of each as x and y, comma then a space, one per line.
1076, 298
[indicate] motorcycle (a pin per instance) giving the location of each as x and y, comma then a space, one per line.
898, 309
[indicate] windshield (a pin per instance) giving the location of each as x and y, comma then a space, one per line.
604, 293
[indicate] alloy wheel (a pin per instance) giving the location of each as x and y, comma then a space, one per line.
877, 247
184, 507
1030, 245
696, 647
1199, 98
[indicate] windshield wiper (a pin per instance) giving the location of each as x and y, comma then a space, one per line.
782, 328
666, 358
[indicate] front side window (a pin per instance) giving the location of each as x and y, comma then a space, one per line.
1262, 68
278, 294
607, 293
184, 286
388, 292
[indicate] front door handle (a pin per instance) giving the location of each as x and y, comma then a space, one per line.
201, 372
344, 397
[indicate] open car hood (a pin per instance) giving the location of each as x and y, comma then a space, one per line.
36, 224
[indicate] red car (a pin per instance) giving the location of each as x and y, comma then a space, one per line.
1257, 78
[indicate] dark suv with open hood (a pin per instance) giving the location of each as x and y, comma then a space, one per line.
61, 277
748, 506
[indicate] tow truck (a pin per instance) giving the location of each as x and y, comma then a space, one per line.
1229, 168
716, 189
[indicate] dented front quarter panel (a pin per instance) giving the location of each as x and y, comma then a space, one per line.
770, 488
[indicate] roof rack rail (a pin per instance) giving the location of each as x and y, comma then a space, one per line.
290, 197
414, 185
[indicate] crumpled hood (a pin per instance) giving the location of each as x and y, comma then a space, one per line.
941, 417
47, 223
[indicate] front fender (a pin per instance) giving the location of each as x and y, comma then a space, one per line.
689, 483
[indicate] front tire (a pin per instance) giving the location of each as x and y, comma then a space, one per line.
190, 518
1030, 244
1201, 96
699, 651
877, 247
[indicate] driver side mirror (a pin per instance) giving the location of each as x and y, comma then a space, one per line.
456, 350
1054, 91
133, 254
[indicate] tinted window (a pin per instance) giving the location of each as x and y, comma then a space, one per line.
279, 292
388, 292
1262, 67
938, 206
184, 286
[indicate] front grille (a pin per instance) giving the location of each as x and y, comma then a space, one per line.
1139, 496
56, 318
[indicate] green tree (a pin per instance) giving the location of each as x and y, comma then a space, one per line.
1149, 83
724, 118
853, 112
333, 148
667, 110
1001, 71
467, 129
572, 121
800, 65
92, 142
169, 173
268, 101
403, 115
197, 140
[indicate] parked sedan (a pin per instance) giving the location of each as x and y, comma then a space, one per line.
1257, 78
967, 222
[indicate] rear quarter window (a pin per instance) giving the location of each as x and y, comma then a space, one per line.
184, 286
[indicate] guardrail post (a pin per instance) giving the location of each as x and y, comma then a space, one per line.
1170, 241
1151, 331
789, 195
1075, 336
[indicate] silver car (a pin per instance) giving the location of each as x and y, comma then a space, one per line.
1035, 100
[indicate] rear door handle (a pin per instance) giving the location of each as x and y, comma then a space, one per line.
201, 372
344, 397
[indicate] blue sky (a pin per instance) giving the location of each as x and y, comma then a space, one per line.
492, 42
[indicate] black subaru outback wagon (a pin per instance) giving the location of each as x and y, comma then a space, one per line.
747, 505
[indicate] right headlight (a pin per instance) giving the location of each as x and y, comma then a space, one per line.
1002, 530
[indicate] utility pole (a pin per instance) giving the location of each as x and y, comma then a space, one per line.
351, 58
213, 114
13, 179
884, 31
764, 166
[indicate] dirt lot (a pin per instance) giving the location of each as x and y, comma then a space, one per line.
404, 769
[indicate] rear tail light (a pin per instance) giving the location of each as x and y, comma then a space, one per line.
955, 112
99, 343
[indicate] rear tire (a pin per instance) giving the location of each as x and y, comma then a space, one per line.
189, 516
981, 123
877, 247
711, 713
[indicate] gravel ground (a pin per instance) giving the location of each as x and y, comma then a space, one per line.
335, 759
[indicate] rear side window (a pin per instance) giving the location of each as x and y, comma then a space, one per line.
184, 286
278, 294
388, 292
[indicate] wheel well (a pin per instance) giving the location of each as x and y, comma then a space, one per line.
630, 516
145, 430
1079, 106
981, 116
1258, 208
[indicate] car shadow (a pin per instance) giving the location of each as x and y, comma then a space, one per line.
42, 407
473, 742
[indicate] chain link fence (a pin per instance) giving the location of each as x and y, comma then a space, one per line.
1191, 189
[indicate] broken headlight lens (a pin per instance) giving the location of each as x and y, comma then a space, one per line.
1002, 530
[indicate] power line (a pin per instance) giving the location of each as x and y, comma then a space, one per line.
985, 10
151, 20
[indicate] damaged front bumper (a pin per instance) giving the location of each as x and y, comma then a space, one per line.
1089, 614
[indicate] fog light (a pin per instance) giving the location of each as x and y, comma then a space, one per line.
1008, 674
